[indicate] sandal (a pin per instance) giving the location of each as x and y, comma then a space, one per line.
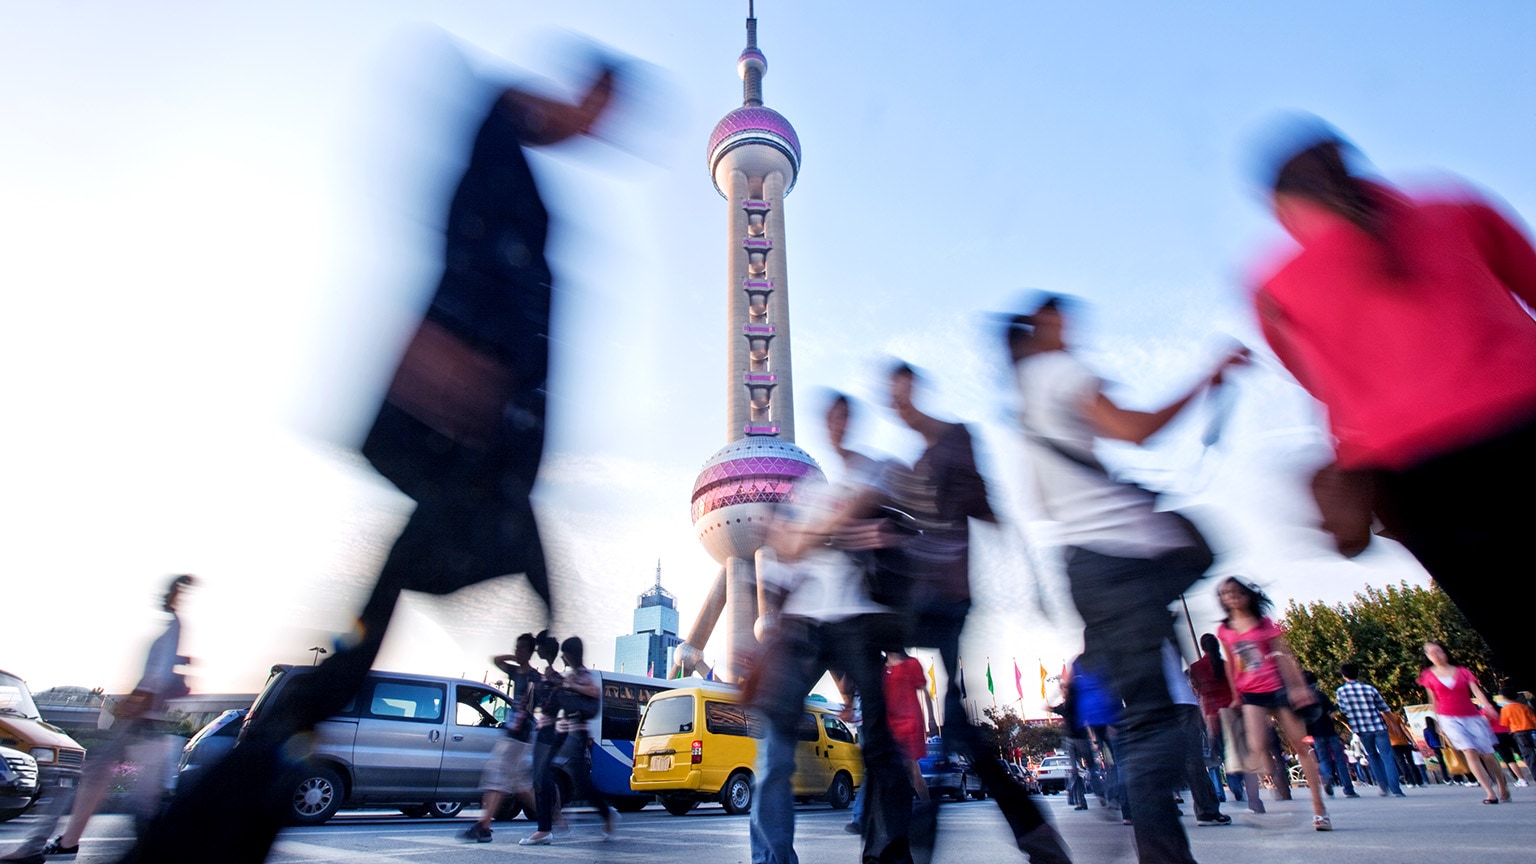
1322, 823
1490, 800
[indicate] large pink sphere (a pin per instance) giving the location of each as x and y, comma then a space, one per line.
737, 490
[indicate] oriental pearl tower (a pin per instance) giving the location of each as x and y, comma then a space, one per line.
754, 157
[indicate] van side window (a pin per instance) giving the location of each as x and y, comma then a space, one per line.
806, 729
477, 706
725, 718
836, 730
402, 700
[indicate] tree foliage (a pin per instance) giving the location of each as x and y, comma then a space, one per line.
1384, 630
1009, 733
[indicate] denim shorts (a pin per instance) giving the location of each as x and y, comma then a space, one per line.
1273, 699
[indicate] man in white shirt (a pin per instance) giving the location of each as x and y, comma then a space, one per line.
1125, 560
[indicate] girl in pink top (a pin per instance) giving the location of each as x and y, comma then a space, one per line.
1403, 315
1452, 690
1267, 685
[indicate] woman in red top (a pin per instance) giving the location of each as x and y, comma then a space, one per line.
904, 712
1267, 683
1403, 316
1452, 690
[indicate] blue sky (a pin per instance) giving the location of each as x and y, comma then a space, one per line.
215, 220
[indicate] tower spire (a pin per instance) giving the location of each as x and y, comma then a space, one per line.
752, 64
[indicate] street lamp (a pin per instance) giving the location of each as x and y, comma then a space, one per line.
318, 651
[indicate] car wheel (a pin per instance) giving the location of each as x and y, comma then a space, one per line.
736, 795
444, 809
678, 805
958, 793
840, 793
316, 797
979, 793
415, 811
631, 803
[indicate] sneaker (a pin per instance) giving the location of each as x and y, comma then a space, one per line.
1399, 795
55, 848
1351, 794
1521, 784
1217, 819
476, 833
610, 825
537, 838
1322, 823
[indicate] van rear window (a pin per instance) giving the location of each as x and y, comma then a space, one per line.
668, 716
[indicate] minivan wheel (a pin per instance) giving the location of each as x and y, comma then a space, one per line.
736, 794
444, 809
316, 797
631, 803
678, 805
415, 811
840, 793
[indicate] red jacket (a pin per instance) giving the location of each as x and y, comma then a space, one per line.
1419, 359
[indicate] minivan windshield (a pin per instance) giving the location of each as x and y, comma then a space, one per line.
667, 716
15, 698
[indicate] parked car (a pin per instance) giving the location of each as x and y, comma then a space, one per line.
18, 783
58, 757
209, 745
1025, 777
417, 743
1052, 773
949, 774
700, 744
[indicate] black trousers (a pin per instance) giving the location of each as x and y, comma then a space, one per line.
1466, 517
1124, 606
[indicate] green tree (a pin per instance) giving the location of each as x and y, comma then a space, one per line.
1384, 630
1008, 732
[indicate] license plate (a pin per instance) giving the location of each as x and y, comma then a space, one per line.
661, 763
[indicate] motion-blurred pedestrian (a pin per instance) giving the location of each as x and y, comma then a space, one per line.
1409, 319
509, 769
1455, 694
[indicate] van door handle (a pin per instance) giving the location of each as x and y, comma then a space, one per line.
458, 737
434, 735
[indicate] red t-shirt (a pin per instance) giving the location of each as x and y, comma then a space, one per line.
1417, 360
1454, 699
1251, 656
1214, 690
903, 711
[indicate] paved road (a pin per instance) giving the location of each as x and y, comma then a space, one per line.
1440, 825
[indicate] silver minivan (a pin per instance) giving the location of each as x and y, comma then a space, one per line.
411, 742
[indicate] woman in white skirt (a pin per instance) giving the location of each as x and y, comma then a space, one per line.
1455, 694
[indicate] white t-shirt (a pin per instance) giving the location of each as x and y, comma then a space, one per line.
1095, 511
823, 585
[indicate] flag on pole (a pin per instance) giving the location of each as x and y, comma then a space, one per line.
960, 675
933, 682
989, 677
1018, 679
1042, 679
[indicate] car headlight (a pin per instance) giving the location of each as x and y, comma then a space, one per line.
45, 755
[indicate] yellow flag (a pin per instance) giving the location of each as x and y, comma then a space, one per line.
933, 682
1042, 679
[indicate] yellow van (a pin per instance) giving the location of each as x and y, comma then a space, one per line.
700, 744
59, 757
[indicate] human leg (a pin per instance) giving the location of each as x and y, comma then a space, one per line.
779, 698
1296, 732
1124, 609
1200, 788
1378, 748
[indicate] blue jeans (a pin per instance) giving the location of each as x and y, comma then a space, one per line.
796, 655
1378, 749
1332, 764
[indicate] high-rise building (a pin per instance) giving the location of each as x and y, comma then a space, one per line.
648, 650
754, 160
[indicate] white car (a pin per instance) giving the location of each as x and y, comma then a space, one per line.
1052, 774
18, 782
